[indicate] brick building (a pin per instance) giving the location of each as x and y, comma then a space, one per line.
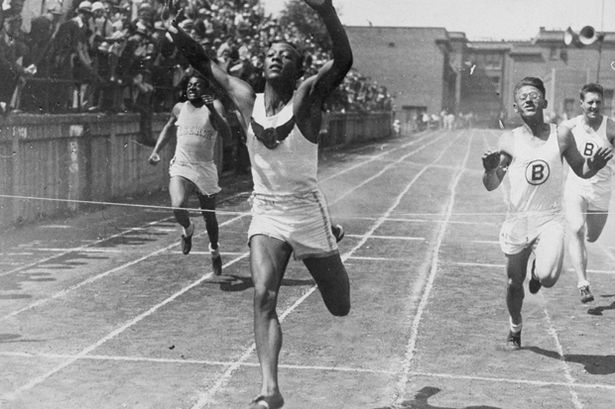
431, 69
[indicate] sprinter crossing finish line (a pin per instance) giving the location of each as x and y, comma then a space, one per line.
290, 214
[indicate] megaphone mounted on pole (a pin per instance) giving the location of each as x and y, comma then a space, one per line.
586, 37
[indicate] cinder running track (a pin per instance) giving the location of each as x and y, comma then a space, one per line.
102, 311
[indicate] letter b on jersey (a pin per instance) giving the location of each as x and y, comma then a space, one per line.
537, 172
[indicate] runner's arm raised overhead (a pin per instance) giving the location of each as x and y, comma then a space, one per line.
239, 91
313, 92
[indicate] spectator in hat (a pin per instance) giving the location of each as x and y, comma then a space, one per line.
12, 71
71, 60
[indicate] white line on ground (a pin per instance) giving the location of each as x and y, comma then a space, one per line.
206, 397
117, 331
92, 279
78, 250
389, 237
428, 285
560, 351
307, 368
84, 352
379, 258
500, 266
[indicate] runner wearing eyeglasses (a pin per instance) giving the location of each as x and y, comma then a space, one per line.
532, 235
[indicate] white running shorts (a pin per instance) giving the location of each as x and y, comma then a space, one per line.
302, 221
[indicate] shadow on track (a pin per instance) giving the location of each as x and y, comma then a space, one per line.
593, 364
421, 398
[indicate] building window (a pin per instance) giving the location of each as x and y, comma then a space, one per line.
553, 53
391, 44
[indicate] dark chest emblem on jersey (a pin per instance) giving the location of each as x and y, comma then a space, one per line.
271, 137
537, 172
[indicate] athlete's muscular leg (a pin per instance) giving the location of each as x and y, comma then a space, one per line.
208, 203
268, 260
332, 279
516, 269
595, 223
549, 251
180, 190
576, 209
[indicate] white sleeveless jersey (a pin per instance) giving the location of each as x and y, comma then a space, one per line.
196, 136
283, 161
535, 175
588, 141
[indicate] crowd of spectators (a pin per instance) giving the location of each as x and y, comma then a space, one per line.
113, 55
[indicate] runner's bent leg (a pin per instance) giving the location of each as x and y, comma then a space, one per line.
516, 269
549, 251
268, 260
576, 208
332, 280
180, 190
595, 223
208, 203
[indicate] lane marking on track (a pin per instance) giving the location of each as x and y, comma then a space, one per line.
502, 266
77, 249
92, 243
167, 219
511, 380
428, 285
379, 258
308, 368
97, 277
42, 378
119, 330
205, 397
560, 351
410, 238
376, 157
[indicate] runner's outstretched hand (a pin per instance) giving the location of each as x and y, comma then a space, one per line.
602, 156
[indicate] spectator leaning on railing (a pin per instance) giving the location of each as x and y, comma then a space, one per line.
12, 52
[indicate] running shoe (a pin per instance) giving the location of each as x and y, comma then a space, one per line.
216, 260
186, 243
586, 294
338, 232
513, 341
262, 402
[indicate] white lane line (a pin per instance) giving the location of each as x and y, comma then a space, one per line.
377, 157
91, 243
92, 279
410, 238
500, 266
77, 249
205, 397
511, 380
182, 361
414, 329
42, 378
81, 248
560, 351
116, 332
387, 167
379, 258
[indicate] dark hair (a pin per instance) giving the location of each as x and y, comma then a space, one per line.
300, 56
531, 81
592, 87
